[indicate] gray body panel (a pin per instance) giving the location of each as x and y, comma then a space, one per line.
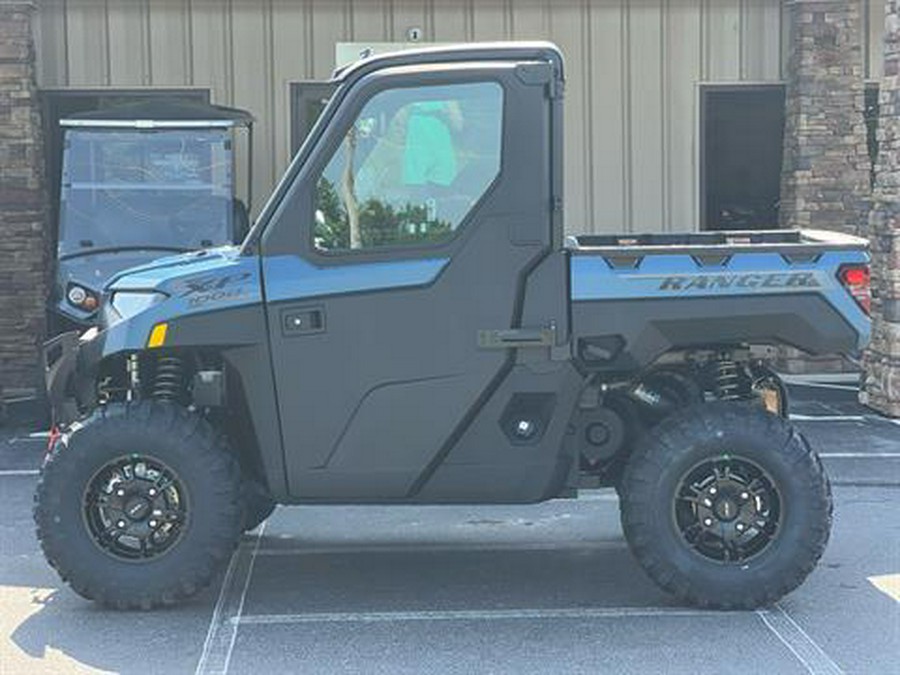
645, 329
394, 381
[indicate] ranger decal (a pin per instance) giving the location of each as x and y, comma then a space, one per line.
689, 282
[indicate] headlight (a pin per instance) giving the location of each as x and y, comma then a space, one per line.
128, 303
83, 298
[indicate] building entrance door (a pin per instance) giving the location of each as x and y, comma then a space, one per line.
742, 132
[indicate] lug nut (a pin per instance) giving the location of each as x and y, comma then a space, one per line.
708, 522
745, 496
707, 503
120, 492
740, 527
713, 490
153, 523
152, 492
120, 524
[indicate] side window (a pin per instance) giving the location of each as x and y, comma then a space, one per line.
413, 164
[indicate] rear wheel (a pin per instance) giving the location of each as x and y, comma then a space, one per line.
139, 506
726, 506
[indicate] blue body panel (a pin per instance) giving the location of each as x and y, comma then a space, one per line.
218, 279
291, 278
222, 279
679, 275
193, 284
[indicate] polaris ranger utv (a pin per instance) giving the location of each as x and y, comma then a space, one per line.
406, 324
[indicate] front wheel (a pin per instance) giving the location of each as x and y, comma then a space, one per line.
726, 506
139, 506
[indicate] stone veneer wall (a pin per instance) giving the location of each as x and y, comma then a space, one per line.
22, 203
825, 182
882, 384
825, 176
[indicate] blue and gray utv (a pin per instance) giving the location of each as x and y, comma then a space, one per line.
407, 324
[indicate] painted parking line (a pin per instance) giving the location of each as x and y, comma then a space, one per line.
601, 495
19, 472
830, 418
798, 641
401, 547
889, 584
222, 633
878, 419
478, 615
37, 437
859, 455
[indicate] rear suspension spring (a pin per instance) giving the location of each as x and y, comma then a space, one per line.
728, 380
168, 383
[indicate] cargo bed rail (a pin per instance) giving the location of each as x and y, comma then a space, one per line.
807, 242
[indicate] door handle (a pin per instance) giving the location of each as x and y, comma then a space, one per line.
302, 321
517, 338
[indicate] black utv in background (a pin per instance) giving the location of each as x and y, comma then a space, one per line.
139, 182
406, 324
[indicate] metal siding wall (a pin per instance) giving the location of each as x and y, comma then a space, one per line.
568, 23
683, 62
721, 40
631, 104
87, 40
170, 42
761, 48
874, 45
292, 62
127, 44
609, 125
645, 99
51, 47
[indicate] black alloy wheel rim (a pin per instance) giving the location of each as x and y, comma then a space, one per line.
728, 509
135, 508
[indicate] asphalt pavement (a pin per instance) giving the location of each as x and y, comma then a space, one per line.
548, 588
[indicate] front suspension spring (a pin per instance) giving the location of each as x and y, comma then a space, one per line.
168, 383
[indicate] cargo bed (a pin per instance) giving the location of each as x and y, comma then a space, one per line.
635, 297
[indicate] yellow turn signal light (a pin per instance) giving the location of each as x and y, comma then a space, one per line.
158, 336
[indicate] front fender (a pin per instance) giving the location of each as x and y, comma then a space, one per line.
72, 361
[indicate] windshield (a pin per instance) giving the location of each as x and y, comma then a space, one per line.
135, 188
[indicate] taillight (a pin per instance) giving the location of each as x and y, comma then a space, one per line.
855, 278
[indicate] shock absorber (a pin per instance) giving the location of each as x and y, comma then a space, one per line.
168, 382
728, 380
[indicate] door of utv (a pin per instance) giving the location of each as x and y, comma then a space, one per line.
418, 221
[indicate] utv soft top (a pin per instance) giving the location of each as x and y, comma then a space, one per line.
162, 113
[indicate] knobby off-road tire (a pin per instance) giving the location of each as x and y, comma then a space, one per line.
206, 515
777, 494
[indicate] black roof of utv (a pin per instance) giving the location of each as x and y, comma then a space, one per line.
474, 51
166, 112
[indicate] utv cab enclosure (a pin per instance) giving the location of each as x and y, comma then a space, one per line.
406, 323
141, 181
